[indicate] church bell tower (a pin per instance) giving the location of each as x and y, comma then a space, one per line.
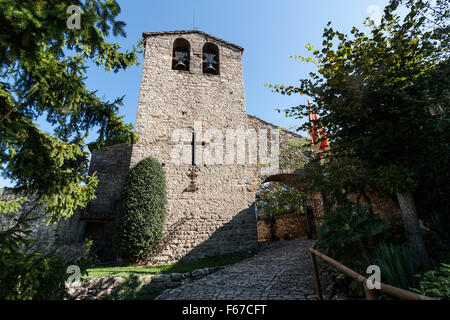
192, 83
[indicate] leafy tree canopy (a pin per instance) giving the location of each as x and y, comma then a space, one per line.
383, 98
276, 199
383, 101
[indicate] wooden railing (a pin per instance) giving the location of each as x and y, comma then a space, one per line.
370, 293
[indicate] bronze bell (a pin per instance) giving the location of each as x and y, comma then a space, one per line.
210, 62
210, 68
180, 57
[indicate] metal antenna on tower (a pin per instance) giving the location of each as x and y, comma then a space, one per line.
193, 20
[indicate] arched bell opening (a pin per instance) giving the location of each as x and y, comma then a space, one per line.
211, 61
181, 55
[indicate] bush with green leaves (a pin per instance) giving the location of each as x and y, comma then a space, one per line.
351, 231
436, 283
138, 226
396, 265
439, 237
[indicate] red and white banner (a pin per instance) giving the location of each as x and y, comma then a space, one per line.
317, 133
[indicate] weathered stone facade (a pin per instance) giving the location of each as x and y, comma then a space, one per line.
385, 206
111, 165
219, 216
62, 238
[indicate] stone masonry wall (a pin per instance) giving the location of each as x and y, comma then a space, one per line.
47, 238
219, 217
111, 165
287, 227
384, 205
103, 287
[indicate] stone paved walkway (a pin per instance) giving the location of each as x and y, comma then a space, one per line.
280, 271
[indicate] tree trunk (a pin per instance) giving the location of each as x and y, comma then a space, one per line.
273, 231
309, 217
272, 222
412, 228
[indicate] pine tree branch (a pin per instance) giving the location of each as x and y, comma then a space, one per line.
33, 88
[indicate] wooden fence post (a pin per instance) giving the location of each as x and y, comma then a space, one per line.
370, 295
316, 276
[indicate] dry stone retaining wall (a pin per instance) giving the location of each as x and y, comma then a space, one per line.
102, 287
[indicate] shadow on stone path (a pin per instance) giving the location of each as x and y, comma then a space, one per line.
280, 271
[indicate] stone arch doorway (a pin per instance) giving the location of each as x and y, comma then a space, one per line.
295, 221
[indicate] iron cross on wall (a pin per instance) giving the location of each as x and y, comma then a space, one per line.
192, 172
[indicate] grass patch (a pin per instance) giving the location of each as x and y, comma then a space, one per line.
179, 267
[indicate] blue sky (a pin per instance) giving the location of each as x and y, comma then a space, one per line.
269, 31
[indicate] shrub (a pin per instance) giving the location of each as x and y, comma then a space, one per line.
138, 226
436, 283
396, 265
351, 231
439, 225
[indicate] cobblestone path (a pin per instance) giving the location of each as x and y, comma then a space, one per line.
281, 270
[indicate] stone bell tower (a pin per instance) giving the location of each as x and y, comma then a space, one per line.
192, 82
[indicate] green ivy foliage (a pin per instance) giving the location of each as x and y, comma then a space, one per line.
276, 199
382, 99
139, 223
